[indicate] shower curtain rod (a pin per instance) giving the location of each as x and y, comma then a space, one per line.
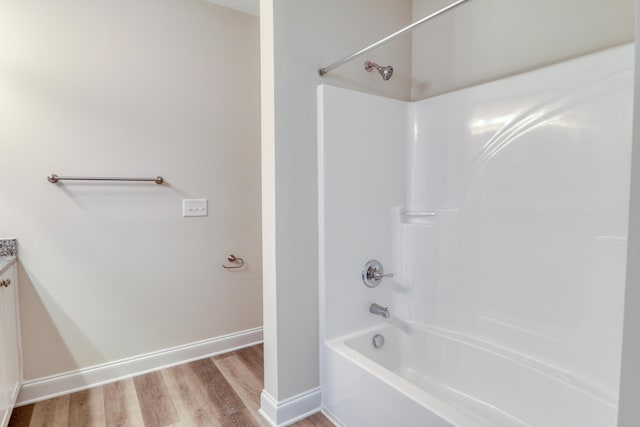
324, 70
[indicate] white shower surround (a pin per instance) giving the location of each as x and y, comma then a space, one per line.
529, 181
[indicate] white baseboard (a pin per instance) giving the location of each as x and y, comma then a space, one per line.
335, 420
81, 379
291, 410
12, 398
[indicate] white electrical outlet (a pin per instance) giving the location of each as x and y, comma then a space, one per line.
194, 207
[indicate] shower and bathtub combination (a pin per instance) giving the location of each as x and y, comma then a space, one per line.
473, 250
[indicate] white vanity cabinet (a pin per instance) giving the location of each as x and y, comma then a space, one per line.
10, 351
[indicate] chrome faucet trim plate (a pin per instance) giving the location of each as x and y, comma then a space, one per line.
373, 273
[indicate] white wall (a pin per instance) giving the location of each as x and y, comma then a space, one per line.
484, 40
121, 88
298, 37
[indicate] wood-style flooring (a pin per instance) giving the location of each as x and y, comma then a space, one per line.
218, 391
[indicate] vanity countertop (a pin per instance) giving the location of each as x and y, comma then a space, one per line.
8, 254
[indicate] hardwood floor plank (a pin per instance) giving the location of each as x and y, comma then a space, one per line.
121, 405
96, 401
260, 349
190, 398
315, 420
155, 402
240, 419
42, 413
61, 413
245, 383
21, 417
79, 408
86, 408
254, 358
221, 394
115, 407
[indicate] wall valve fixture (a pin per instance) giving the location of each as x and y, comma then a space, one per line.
373, 273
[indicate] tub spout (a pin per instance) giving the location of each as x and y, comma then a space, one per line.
379, 310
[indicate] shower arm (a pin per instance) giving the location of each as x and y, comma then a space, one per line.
324, 70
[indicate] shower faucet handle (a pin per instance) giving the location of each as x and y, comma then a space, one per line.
373, 273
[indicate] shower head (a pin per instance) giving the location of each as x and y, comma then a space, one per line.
385, 72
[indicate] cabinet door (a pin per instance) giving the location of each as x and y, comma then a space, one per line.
11, 365
5, 406
14, 369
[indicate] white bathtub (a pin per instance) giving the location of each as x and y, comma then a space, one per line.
453, 380
525, 185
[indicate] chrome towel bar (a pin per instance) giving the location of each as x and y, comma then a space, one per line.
53, 178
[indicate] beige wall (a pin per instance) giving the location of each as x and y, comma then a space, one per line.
138, 88
488, 39
298, 37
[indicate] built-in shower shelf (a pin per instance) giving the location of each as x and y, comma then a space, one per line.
418, 214
418, 217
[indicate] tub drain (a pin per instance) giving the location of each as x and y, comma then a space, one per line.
378, 340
